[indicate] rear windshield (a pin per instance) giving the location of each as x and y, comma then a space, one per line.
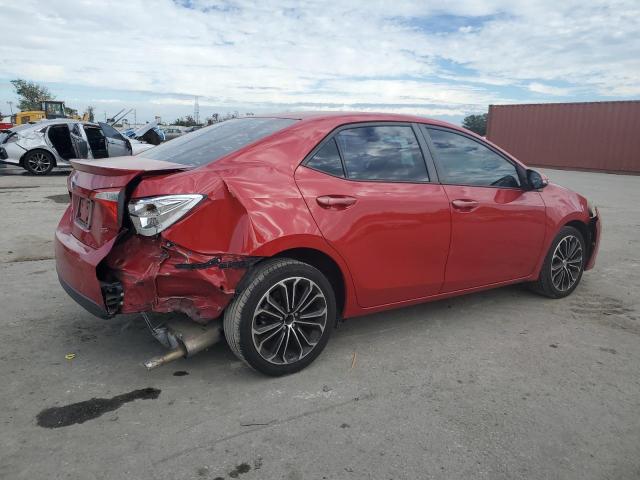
211, 143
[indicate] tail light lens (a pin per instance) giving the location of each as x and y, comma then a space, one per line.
152, 215
108, 199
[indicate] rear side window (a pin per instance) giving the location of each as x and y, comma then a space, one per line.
211, 143
327, 160
463, 161
382, 153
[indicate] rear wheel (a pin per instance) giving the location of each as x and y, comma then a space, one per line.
563, 265
38, 162
282, 319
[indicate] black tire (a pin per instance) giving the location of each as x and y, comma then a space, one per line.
553, 268
38, 162
276, 276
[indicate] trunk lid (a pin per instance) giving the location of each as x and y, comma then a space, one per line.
99, 192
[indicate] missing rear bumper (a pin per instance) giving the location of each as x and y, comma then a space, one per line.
159, 276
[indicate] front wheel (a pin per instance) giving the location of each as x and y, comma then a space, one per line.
39, 162
281, 321
563, 265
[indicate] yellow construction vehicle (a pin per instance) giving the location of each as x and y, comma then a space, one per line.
50, 109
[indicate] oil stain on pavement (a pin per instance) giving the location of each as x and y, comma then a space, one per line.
80, 412
62, 198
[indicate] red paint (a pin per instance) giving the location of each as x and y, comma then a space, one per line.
394, 243
395, 238
147, 269
498, 239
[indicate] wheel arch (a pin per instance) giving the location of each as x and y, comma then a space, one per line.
585, 230
315, 251
326, 265
575, 220
581, 227
39, 149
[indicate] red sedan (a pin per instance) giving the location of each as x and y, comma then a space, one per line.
272, 228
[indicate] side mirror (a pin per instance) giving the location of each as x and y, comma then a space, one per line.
536, 180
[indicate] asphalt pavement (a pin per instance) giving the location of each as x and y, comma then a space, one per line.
496, 385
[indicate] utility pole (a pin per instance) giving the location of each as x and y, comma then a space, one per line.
196, 111
11, 107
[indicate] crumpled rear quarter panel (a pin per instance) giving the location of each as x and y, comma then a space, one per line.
150, 273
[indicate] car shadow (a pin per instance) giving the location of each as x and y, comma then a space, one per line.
128, 340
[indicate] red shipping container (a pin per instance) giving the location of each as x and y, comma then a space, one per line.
601, 136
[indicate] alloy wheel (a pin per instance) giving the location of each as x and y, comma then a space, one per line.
566, 263
289, 320
39, 162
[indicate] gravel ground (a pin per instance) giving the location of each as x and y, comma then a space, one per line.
496, 385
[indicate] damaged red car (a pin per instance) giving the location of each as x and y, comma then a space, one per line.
268, 230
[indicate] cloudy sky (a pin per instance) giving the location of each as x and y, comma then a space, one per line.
432, 58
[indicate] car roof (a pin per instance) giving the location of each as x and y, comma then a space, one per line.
53, 121
354, 117
320, 124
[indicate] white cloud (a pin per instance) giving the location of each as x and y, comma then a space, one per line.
288, 53
547, 89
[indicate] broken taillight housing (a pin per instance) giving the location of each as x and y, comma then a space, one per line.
108, 199
152, 215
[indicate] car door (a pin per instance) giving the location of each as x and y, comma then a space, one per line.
497, 226
79, 141
117, 145
371, 195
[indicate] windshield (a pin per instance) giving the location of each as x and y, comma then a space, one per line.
211, 143
54, 108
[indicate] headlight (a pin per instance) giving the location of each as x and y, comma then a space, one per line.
153, 214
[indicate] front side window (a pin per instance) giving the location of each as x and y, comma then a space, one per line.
382, 153
463, 161
208, 144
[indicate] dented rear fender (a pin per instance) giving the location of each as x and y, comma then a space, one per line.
160, 276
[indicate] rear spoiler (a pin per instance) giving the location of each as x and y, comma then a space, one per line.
125, 166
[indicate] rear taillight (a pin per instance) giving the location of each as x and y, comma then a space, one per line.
108, 200
152, 215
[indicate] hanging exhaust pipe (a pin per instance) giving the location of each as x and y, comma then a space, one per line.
172, 355
184, 337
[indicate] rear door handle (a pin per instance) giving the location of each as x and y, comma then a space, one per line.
337, 202
464, 205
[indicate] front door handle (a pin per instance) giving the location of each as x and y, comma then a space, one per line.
464, 205
336, 202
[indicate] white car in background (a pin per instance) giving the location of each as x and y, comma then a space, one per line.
40, 147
